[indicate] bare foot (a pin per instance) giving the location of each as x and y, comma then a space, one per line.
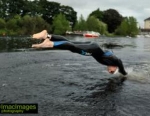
40, 35
45, 44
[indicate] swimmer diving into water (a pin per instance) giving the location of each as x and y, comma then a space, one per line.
107, 58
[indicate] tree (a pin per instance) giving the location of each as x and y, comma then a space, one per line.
3, 9
60, 24
81, 24
40, 24
28, 25
2, 23
103, 29
113, 19
69, 13
10, 8
2, 26
32, 8
128, 27
32, 25
122, 29
93, 24
98, 14
13, 26
49, 10
133, 29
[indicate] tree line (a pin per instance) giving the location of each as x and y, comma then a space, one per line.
24, 17
109, 22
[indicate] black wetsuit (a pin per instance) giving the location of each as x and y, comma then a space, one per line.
89, 49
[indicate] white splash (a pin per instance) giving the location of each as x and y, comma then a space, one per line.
140, 76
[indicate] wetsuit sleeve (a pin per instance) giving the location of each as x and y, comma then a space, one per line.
62, 38
121, 67
113, 61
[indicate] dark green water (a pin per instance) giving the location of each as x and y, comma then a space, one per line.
68, 84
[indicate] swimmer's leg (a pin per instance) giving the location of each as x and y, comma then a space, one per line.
44, 35
76, 42
57, 38
87, 49
65, 45
62, 38
60, 42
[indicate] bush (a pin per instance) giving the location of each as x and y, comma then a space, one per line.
60, 24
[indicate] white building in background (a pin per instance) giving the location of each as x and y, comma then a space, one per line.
147, 23
146, 31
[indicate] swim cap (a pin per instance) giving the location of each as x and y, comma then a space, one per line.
116, 71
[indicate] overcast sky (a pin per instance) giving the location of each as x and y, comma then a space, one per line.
138, 9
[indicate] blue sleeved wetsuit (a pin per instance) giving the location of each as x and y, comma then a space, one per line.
89, 49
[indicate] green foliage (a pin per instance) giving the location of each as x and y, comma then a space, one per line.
60, 24
28, 25
128, 27
45, 8
98, 14
31, 25
133, 29
30, 16
49, 10
103, 27
23, 25
112, 18
2, 23
2, 27
81, 24
12, 25
10, 8
93, 24
69, 13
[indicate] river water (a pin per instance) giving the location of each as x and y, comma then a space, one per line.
69, 84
